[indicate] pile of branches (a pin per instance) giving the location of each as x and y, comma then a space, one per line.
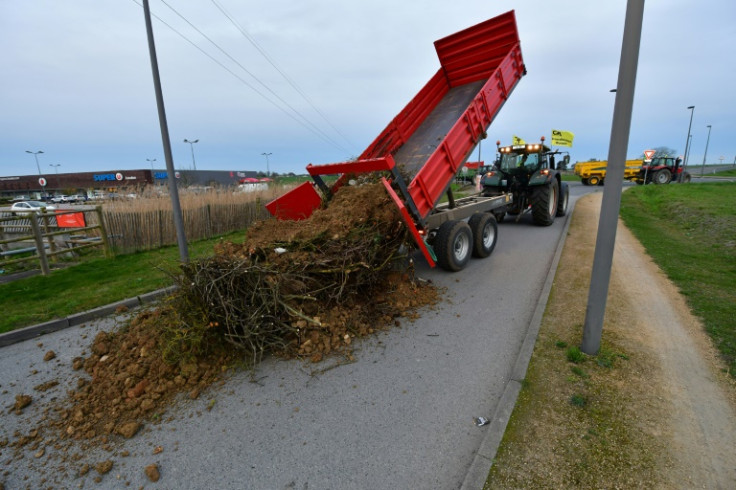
290, 279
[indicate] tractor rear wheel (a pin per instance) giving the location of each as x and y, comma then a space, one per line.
453, 245
686, 177
662, 176
485, 231
593, 180
544, 203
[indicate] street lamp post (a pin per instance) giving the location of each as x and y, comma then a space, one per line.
687, 141
268, 169
56, 167
702, 169
35, 155
191, 145
151, 162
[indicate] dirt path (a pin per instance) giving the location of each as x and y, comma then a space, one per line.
699, 398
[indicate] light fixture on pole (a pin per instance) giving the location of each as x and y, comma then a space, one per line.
702, 169
56, 167
35, 155
268, 169
687, 140
191, 145
151, 162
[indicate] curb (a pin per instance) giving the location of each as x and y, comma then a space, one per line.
477, 474
34, 331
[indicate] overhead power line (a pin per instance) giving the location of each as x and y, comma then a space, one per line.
294, 114
278, 69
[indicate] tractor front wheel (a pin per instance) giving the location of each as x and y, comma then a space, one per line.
453, 245
564, 199
544, 203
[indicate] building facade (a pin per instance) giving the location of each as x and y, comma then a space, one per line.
88, 183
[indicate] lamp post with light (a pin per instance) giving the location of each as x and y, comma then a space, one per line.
149, 160
56, 167
268, 169
702, 169
191, 145
687, 142
35, 155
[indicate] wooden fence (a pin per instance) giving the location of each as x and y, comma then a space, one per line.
132, 231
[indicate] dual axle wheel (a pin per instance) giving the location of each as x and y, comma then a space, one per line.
456, 241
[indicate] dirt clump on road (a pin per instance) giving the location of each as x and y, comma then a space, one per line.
653, 409
305, 290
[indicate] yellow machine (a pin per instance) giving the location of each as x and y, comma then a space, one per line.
593, 173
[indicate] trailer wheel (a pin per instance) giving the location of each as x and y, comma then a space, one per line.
564, 199
593, 180
584, 181
485, 232
662, 176
544, 203
453, 245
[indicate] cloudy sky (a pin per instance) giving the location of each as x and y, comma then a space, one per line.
76, 78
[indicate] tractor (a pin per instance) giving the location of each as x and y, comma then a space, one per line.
662, 170
528, 172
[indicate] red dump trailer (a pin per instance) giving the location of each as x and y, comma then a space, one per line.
428, 142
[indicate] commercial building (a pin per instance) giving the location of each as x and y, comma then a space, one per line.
117, 181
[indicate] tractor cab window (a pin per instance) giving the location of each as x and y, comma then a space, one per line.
511, 161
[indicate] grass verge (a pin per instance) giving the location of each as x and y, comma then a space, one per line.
690, 232
93, 283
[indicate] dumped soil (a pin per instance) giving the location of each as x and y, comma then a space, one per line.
298, 290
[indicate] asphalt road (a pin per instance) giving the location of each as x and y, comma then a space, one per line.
400, 416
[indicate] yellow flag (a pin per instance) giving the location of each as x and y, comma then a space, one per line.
562, 138
515, 140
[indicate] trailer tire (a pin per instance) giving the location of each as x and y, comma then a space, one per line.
485, 233
544, 203
584, 181
662, 176
593, 180
453, 245
563, 200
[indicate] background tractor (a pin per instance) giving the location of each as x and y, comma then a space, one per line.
528, 172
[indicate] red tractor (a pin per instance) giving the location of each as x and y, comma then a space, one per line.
662, 170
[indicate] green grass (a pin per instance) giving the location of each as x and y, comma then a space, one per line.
690, 231
95, 282
726, 173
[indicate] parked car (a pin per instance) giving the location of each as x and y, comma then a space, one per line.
77, 198
20, 198
26, 207
60, 198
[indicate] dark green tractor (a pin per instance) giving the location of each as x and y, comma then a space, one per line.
528, 172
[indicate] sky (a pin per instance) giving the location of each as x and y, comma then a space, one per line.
77, 81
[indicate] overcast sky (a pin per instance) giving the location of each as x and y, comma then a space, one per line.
76, 80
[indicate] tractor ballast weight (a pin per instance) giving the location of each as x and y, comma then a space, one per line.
428, 142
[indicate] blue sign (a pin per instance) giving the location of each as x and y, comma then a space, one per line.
103, 177
160, 175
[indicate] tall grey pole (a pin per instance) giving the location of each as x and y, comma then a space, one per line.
268, 168
173, 191
702, 169
687, 142
191, 145
603, 256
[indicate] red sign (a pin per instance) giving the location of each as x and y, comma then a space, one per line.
648, 154
70, 220
42, 182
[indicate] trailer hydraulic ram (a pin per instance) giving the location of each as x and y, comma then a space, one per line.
428, 142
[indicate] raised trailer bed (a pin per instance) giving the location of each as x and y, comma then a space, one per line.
428, 142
